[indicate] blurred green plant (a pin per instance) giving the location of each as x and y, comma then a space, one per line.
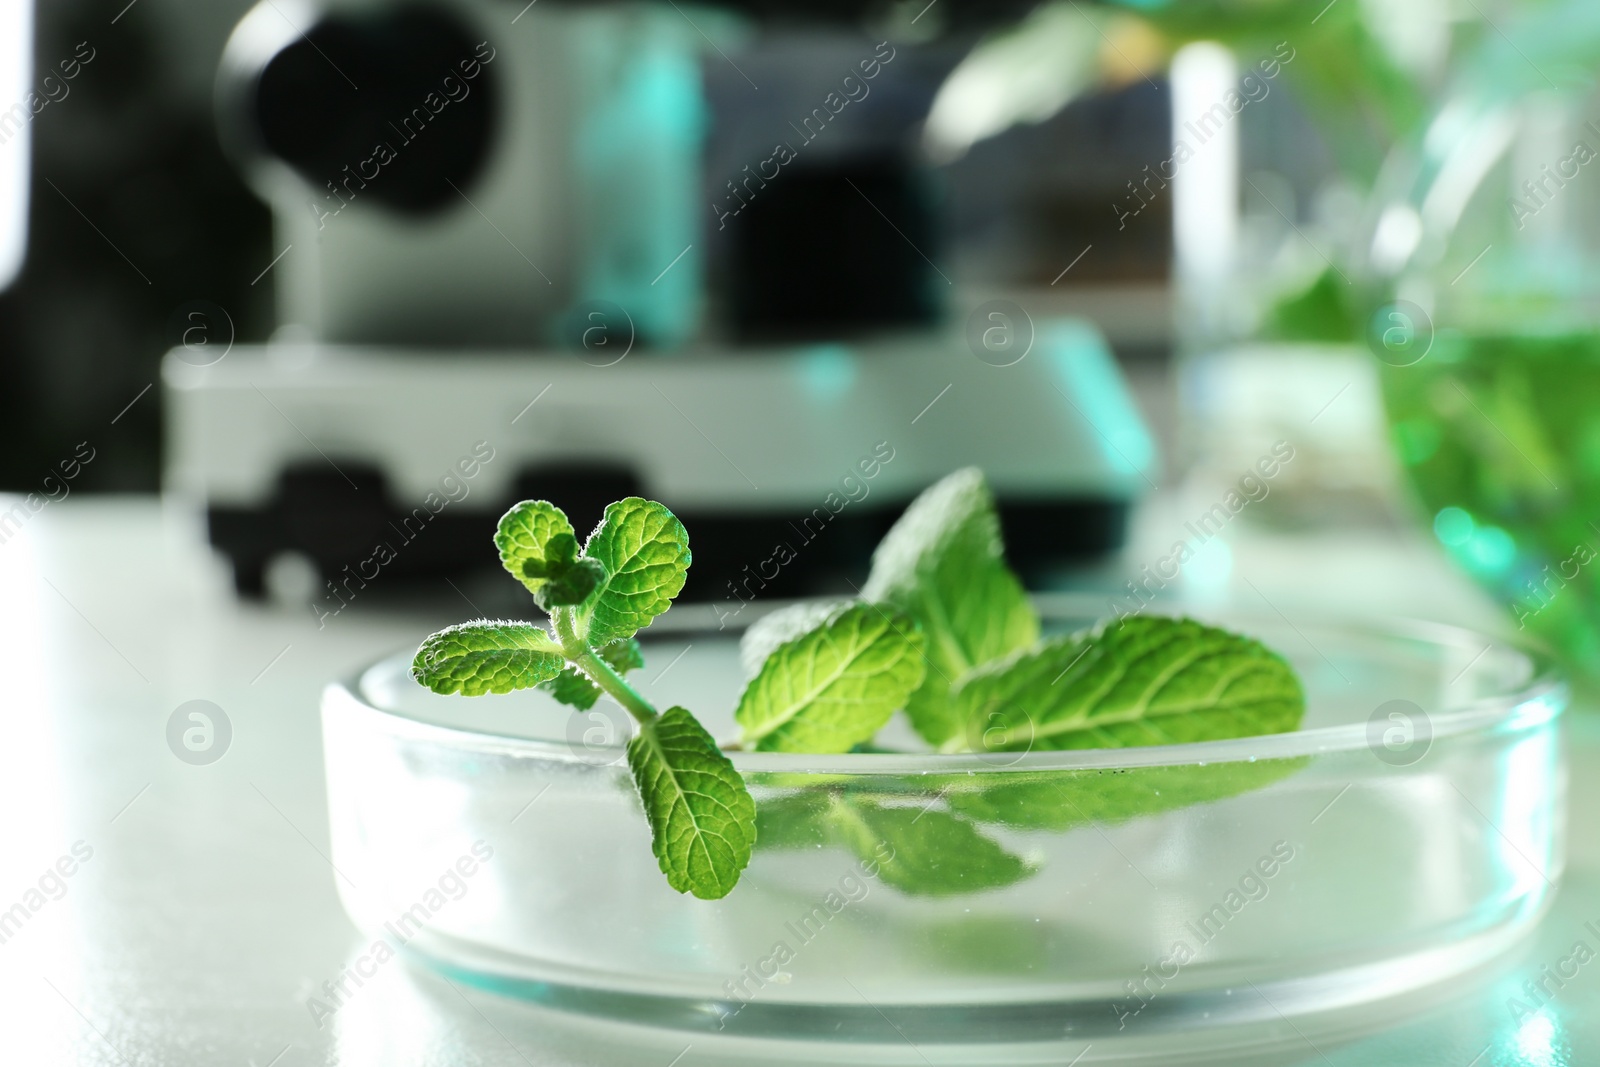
1347, 69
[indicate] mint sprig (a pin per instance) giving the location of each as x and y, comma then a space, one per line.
943, 630
702, 820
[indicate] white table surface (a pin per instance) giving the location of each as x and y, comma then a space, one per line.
206, 914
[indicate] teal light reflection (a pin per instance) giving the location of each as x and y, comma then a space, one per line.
1081, 360
1453, 526
1524, 815
1537, 1042
1490, 550
827, 371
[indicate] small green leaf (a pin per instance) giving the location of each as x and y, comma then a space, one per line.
487, 656
529, 537
1140, 681
557, 577
623, 655
567, 584
923, 851
645, 551
573, 687
702, 820
559, 552
834, 686
943, 563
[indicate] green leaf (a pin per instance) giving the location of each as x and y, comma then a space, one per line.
568, 584
943, 563
527, 537
780, 627
792, 821
559, 551
702, 820
1140, 681
487, 656
623, 655
558, 578
919, 850
645, 551
1065, 800
574, 687
924, 851
834, 686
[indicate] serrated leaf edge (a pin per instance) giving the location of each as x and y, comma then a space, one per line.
775, 661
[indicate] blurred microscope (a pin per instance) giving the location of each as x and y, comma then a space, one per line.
509, 267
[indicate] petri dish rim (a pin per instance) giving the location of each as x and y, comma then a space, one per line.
1540, 697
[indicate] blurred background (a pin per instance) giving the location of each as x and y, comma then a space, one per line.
1363, 232
997, 152
1256, 224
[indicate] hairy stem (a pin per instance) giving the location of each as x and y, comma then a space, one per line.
598, 670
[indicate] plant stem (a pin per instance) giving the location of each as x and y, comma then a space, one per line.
602, 675
598, 670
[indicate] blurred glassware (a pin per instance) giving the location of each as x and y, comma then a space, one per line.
1482, 289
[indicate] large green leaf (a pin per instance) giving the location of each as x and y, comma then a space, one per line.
943, 563
1147, 680
835, 685
486, 656
645, 551
702, 820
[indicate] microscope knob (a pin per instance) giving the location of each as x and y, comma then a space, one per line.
390, 106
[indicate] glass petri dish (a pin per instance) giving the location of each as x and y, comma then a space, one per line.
1403, 839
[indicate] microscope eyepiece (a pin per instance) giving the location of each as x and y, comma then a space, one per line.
393, 106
